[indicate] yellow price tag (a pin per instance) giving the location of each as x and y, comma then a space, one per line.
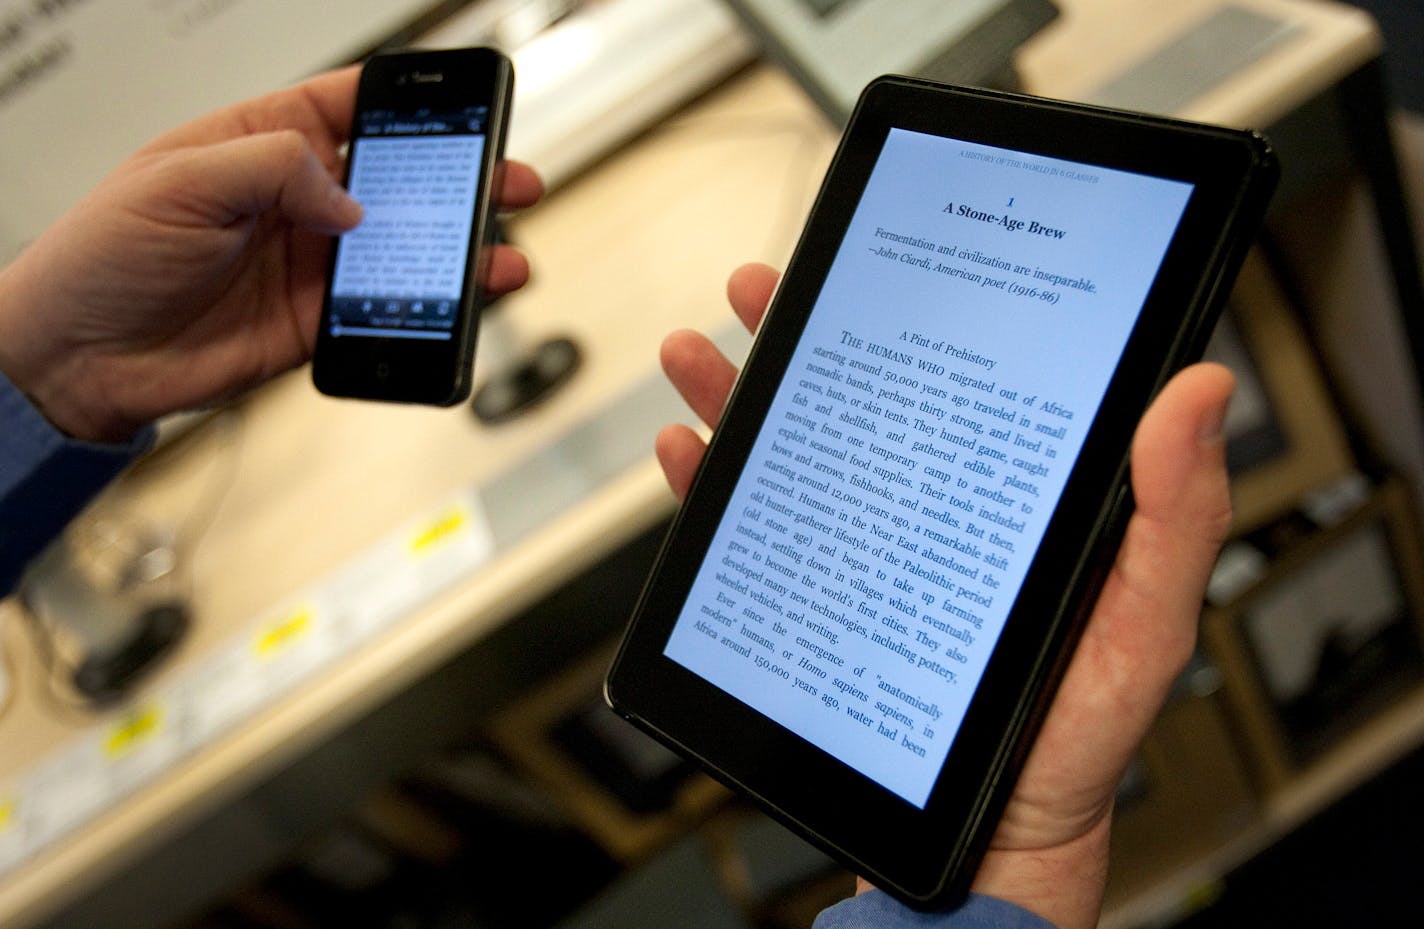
135, 729
280, 634
445, 526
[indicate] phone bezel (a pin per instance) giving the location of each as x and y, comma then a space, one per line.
436, 372
926, 856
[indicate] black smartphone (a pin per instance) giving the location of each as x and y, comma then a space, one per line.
405, 287
863, 607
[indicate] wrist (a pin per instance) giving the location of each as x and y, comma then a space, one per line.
1063, 884
73, 414
33, 359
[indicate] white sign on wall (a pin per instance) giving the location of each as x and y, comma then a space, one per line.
85, 82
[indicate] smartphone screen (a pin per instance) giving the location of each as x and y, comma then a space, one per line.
400, 274
403, 295
917, 445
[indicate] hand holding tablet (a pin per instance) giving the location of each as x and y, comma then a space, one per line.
1050, 850
900, 527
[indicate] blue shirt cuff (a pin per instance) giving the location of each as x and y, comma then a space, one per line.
876, 909
46, 479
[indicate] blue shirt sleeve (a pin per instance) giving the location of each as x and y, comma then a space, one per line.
46, 478
878, 910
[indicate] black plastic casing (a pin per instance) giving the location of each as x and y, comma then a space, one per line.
927, 857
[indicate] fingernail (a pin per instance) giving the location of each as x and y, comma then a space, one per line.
347, 211
1213, 424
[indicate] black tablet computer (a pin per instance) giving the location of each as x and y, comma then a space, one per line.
862, 609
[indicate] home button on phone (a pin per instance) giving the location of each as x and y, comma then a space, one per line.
383, 371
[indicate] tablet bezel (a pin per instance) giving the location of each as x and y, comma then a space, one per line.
926, 856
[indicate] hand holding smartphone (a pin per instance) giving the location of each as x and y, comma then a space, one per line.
405, 287
880, 571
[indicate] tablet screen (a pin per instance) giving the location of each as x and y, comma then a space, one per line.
917, 445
